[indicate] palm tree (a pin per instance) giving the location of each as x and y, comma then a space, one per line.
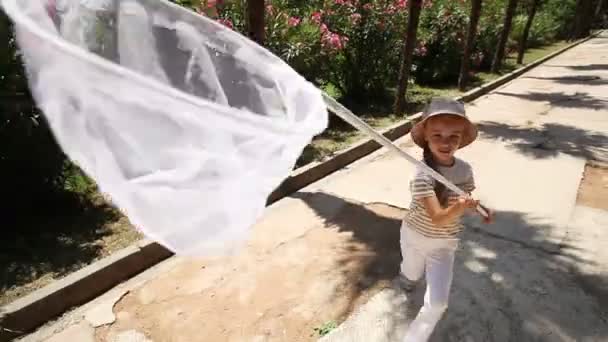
504, 36
524, 37
468, 46
255, 20
407, 55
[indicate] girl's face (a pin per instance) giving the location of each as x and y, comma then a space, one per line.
444, 133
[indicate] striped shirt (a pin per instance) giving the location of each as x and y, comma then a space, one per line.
422, 185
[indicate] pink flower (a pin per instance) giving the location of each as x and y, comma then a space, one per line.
348, 3
294, 21
316, 17
367, 6
333, 40
214, 3
401, 4
420, 50
355, 18
324, 28
226, 22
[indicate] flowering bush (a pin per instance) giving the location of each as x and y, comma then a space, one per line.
441, 38
354, 46
372, 34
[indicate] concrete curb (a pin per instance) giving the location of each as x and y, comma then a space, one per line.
28, 313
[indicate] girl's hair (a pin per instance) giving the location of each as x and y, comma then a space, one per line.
440, 189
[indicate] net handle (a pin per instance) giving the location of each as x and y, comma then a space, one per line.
359, 124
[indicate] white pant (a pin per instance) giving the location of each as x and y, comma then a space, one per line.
436, 257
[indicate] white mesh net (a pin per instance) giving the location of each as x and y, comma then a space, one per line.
186, 124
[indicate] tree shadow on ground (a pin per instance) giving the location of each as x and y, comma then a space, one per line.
560, 99
548, 140
52, 244
573, 80
590, 67
513, 280
375, 239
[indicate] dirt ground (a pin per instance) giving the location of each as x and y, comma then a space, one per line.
594, 187
355, 253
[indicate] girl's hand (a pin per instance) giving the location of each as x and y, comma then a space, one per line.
466, 202
442, 216
490, 218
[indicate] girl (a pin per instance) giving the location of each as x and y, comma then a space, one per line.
430, 232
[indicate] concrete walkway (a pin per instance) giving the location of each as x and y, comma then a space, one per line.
329, 252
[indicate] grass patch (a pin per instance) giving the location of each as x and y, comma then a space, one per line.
510, 64
326, 328
533, 54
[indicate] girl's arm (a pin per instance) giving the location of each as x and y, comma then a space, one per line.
441, 216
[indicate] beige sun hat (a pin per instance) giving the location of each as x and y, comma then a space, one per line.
444, 106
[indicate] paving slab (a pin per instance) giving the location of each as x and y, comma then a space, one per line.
103, 314
588, 241
81, 332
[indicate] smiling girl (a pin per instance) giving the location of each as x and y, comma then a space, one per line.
430, 232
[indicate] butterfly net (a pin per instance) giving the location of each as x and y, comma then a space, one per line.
187, 125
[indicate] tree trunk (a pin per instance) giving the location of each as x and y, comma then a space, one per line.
598, 9
504, 36
524, 37
255, 20
407, 56
582, 20
468, 45
5, 36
